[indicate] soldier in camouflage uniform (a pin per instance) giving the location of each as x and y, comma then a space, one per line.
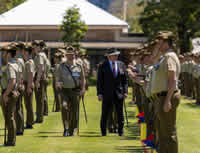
71, 80
39, 61
196, 74
10, 94
57, 97
46, 79
181, 59
29, 86
86, 66
167, 72
19, 107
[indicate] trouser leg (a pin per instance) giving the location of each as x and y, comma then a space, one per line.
28, 100
75, 112
57, 97
39, 94
120, 115
10, 121
167, 126
46, 108
106, 107
19, 115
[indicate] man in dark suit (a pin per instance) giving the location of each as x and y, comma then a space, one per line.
112, 89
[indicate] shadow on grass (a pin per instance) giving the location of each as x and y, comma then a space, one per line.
132, 129
43, 136
49, 132
193, 105
90, 136
131, 149
131, 115
91, 132
131, 104
133, 133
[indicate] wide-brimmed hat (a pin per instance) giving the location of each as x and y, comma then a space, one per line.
28, 48
70, 50
61, 50
20, 45
112, 52
3, 49
9, 48
58, 55
40, 43
165, 35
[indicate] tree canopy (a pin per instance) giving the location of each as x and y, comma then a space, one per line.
9, 4
74, 29
180, 16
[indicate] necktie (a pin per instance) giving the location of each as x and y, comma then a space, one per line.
113, 68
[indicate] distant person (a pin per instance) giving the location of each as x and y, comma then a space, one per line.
70, 79
29, 86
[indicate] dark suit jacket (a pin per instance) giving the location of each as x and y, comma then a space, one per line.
108, 85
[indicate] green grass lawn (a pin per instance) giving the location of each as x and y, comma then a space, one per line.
47, 137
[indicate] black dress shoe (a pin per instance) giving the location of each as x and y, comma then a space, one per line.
19, 133
110, 130
198, 103
65, 133
37, 121
9, 145
29, 127
114, 130
71, 134
121, 134
104, 134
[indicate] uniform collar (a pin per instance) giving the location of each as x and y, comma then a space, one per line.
19, 56
12, 60
73, 63
30, 57
168, 51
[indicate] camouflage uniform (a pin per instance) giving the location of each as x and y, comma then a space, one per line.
70, 94
9, 108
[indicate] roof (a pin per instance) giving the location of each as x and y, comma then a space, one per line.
50, 13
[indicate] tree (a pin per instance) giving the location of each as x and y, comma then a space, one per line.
74, 29
9, 4
180, 16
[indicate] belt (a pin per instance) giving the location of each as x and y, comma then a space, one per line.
164, 93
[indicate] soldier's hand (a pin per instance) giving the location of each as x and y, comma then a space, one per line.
100, 97
29, 91
131, 66
131, 73
5, 98
82, 92
167, 106
15, 93
32, 85
59, 85
125, 95
37, 84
